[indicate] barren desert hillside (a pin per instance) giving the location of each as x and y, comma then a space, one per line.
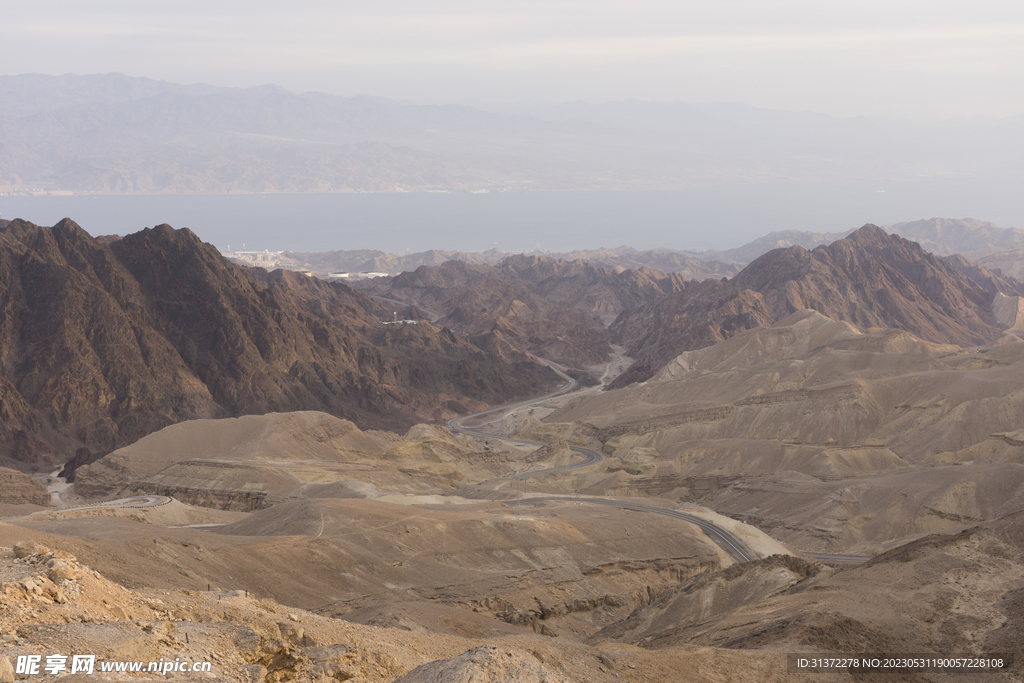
822, 435
956, 592
256, 461
294, 544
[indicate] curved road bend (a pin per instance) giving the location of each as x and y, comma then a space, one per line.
590, 456
456, 425
725, 539
132, 502
143, 501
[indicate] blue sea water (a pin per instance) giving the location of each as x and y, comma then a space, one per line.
703, 217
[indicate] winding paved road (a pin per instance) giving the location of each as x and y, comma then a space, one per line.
723, 538
456, 425
589, 456
143, 501
132, 502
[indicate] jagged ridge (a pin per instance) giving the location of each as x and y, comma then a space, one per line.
103, 342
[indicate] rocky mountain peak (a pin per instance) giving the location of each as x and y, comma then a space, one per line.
870, 279
165, 237
68, 227
871, 235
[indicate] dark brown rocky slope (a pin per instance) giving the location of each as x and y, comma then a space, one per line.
499, 313
586, 287
870, 279
103, 342
549, 307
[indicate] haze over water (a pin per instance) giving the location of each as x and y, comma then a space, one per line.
703, 217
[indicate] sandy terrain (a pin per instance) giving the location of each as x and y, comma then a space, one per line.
824, 436
577, 566
943, 595
174, 513
254, 462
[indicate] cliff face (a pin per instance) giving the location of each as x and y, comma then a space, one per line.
103, 342
870, 279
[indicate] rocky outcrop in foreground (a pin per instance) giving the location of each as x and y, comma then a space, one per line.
243, 637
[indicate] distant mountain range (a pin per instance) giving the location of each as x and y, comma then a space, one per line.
624, 257
941, 236
946, 236
117, 134
981, 241
780, 239
1008, 259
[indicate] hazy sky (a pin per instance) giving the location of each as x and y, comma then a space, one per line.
916, 58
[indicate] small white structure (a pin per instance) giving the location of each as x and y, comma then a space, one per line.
356, 276
262, 259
